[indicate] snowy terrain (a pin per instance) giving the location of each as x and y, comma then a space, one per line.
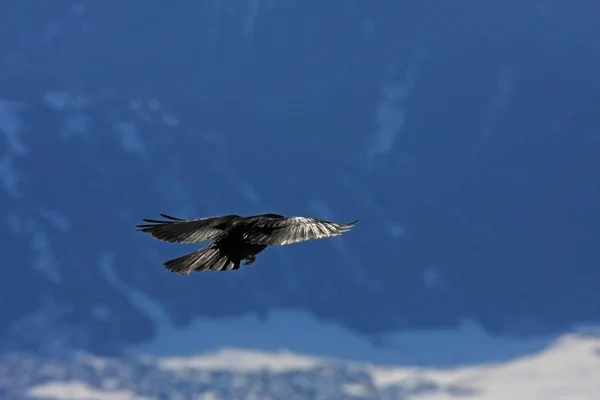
296, 357
567, 369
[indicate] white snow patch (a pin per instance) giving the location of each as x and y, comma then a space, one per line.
241, 360
568, 369
93, 361
209, 396
355, 390
77, 390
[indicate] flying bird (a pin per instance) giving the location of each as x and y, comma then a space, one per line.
235, 238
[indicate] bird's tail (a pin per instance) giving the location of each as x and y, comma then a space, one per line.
209, 258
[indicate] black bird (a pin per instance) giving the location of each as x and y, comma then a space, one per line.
235, 238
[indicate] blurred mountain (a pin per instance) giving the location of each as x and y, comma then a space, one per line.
465, 136
567, 368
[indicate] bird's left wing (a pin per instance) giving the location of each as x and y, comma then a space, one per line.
186, 230
293, 230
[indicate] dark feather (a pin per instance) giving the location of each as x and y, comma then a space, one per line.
209, 258
186, 231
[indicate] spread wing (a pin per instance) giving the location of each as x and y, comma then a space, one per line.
186, 230
290, 230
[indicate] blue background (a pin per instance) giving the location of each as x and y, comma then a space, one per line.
464, 135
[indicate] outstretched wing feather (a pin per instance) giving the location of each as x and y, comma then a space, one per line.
186, 231
294, 230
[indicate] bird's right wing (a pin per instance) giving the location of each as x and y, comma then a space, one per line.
186, 230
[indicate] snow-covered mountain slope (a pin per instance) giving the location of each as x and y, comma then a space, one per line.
470, 159
568, 369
